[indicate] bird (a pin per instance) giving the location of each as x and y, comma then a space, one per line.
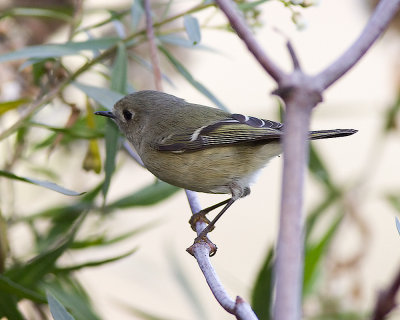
201, 148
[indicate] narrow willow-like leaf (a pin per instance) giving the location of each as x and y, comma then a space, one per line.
72, 295
119, 72
148, 66
76, 131
145, 197
31, 272
318, 169
58, 50
136, 13
95, 263
192, 29
9, 308
245, 6
118, 84
36, 12
103, 240
45, 184
314, 254
394, 201
9, 287
185, 73
103, 96
391, 116
262, 292
57, 310
319, 210
397, 224
11, 105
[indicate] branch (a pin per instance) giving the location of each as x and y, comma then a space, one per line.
153, 48
380, 19
240, 26
290, 243
386, 301
201, 251
301, 93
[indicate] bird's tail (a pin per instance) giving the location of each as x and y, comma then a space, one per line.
333, 133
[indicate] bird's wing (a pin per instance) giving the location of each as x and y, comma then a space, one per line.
235, 129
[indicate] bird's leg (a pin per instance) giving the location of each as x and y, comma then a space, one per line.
210, 226
201, 215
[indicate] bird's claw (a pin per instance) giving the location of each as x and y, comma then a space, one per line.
203, 239
199, 216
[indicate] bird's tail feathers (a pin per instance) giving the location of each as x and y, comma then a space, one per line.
333, 133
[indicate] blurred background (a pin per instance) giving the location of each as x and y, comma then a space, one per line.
352, 188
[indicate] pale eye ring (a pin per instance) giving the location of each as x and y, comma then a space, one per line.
127, 114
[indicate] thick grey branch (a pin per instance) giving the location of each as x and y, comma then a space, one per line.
380, 19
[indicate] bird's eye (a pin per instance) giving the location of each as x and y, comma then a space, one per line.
127, 115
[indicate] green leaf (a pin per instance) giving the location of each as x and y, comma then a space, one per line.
149, 195
58, 50
118, 83
179, 41
392, 115
36, 12
95, 263
102, 240
148, 66
136, 13
103, 96
318, 169
9, 287
111, 140
192, 29
9, 308
314, 254
185, 73
145, 314
57, 309
319, 211
246, 6
72, 295
76, 131
31, 272
262, 292
11, 105
119, 72
394, 200
45, 184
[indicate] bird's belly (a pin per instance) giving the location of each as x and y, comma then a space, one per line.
213, 170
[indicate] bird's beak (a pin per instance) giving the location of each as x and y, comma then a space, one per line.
107, 114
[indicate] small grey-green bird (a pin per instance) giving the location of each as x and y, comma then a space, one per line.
200, 148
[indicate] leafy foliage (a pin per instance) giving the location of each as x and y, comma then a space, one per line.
40, 276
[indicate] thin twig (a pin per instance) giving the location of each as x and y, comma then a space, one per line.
380, 19
293, 55
386, 300
31, 110
201, 251
242, 29
153, 48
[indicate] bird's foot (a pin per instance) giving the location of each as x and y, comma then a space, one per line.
199, 216
199, 241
